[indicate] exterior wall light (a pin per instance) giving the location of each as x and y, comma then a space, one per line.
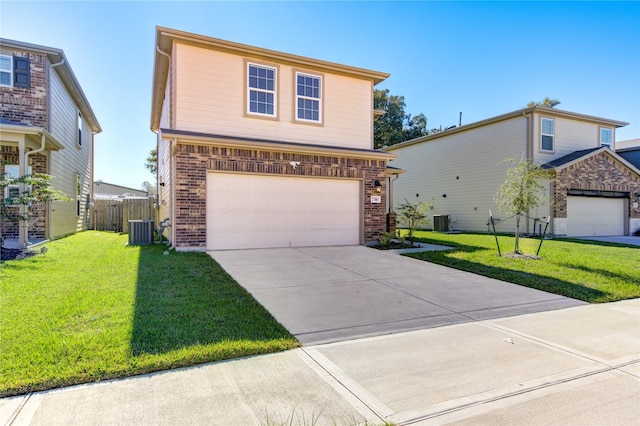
378, 186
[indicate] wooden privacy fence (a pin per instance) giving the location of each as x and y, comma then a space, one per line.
114, 214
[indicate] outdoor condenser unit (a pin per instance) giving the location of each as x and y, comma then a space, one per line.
441, 223
140, 232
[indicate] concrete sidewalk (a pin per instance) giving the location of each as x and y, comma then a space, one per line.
579, 365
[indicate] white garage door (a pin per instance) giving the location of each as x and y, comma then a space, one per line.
593, 216
248, 211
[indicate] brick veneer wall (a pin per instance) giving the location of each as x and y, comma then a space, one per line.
27, 106
37, 211
600, 172
194, 161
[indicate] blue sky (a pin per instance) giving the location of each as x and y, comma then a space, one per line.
479, 58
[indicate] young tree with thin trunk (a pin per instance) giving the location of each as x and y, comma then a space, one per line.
521, 191
32, 188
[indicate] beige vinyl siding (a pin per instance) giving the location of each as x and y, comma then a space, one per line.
69, 162
570, 136
210, 98
464, 166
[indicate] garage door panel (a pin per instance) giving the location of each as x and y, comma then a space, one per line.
251, 211
595, 216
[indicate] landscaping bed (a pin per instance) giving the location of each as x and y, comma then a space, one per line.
92, 308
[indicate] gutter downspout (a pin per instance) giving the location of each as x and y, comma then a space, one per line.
23, 233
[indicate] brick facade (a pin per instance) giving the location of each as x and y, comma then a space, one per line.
194, 161
27, 106
37, 211
601, 172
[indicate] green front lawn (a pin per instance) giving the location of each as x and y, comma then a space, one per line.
587, 270
92, 308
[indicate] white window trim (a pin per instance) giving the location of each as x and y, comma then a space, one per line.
10, 71
297, 96
553, 135
610, 144
249, 89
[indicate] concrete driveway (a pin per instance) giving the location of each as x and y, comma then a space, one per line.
329, 294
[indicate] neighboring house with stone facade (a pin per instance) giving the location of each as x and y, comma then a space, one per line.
46, 126
258, 148
592, 190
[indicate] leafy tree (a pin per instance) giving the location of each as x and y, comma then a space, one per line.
151, 163
33, 188
395, 125
546, 102
521, 191
149, 187
412, 216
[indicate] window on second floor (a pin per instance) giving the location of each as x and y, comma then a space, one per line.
308, 97
79, 128
261, 90
606, 136
547, 134
6, 70
15, 71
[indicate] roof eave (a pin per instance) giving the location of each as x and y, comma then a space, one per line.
293, 147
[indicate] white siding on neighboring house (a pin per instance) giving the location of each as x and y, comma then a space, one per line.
70, 162
210, 98
466, 167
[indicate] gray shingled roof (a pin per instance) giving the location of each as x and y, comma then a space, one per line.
632, 155
569, 158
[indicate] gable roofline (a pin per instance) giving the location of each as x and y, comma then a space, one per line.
518, 113
67, 76
166, 36
578, 156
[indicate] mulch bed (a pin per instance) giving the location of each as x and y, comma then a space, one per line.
11, 254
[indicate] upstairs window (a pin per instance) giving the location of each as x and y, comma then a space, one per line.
261, 87
606, 136
15, 71
309, 97
6, 70
547, 134
79, 129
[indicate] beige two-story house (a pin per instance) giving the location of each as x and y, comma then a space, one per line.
592, 190
46, 126
259, 148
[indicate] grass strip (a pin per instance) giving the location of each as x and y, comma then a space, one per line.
92, 308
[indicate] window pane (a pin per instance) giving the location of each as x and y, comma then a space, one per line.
5, 63
5, 78
605, 136
547, 127
547, 143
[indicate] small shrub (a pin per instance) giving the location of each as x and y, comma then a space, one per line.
386, 239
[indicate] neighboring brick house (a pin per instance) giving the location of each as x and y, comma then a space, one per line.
592, 190
46, 126
258, 148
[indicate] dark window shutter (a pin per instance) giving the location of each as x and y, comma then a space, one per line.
21, 72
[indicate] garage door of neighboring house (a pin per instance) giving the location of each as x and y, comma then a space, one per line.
258, 211
595, 216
